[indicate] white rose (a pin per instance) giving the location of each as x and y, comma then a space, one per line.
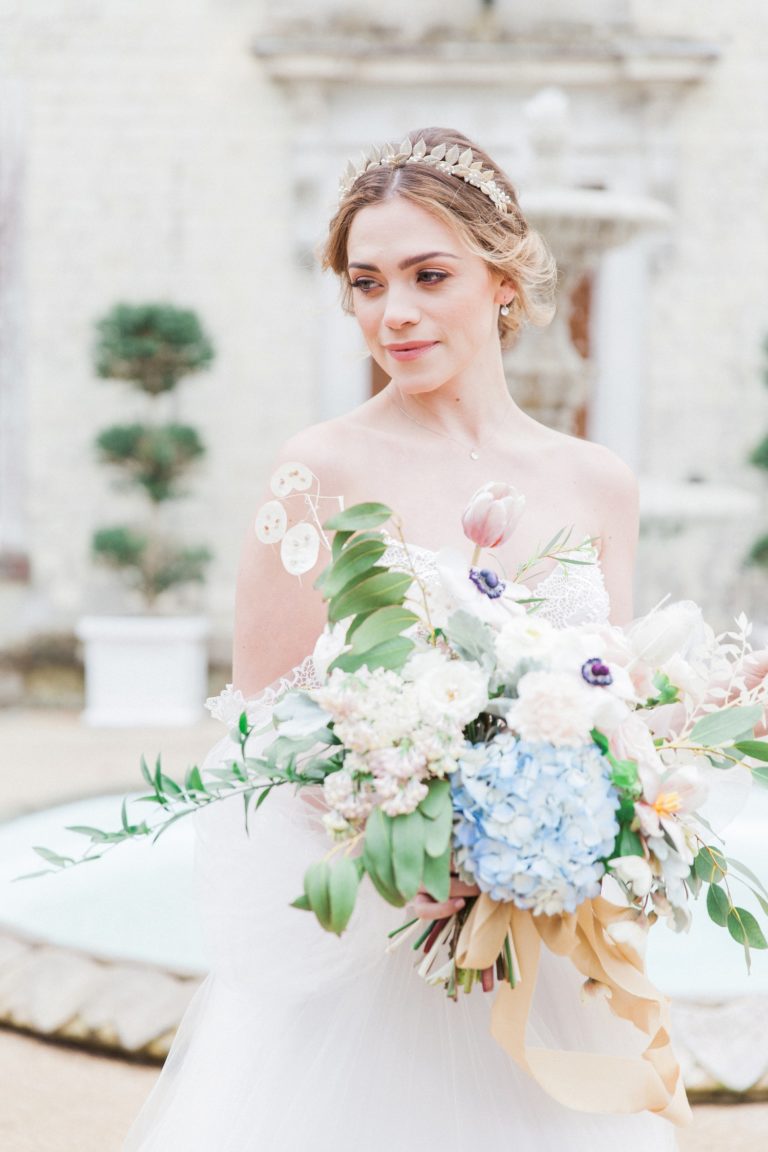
553, 707
635, 872
452, 689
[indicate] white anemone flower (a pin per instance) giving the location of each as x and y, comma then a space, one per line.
453, 571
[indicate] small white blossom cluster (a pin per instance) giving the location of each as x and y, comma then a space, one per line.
400, 730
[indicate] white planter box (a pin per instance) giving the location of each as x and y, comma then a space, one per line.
144, 670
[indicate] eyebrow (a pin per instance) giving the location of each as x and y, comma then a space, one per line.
409, 262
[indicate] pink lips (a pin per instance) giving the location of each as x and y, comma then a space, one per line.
410, 350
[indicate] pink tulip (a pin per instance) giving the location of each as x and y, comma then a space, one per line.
492, 514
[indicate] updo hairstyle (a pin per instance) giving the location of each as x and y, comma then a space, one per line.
504, 240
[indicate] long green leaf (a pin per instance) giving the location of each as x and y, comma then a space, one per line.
316, 879
439, 794
377, 857
376, 591
755, 749
383, 624
342, 889
391, 654
437, 875
358, 517
359, 557
408, 853
53, 857
726, 727
748, 874
437, 831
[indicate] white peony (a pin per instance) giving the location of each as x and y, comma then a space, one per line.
553, 707
524, 640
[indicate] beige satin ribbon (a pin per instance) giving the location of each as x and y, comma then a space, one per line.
585, 1081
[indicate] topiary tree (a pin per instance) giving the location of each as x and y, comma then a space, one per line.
152, 347
758, 554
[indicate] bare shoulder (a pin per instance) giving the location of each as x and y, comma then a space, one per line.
329, 448
605, 479
608, 474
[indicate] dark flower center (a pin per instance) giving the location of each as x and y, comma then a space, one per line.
487, 582
596, 672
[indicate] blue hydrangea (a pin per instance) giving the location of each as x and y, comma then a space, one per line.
534, 822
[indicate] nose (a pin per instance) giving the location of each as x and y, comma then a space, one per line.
400, 309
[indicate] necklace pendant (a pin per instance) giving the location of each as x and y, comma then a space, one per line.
474, 455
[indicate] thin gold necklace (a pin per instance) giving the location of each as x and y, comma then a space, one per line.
473, 452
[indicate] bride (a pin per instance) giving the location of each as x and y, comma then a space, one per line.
296, 1040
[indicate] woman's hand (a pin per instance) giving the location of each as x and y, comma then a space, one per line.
428, 909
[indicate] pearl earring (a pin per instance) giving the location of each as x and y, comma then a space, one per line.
504, 310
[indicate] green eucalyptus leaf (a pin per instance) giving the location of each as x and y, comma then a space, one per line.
744, 927
755, 749
710, 864
376, 591
358, 518
437, 875
727, 726
718, 905
342, 889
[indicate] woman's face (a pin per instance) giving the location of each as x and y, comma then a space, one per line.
427, 306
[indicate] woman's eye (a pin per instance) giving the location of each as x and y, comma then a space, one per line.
431, 276
364, 283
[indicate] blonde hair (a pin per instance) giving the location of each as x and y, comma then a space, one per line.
505, 241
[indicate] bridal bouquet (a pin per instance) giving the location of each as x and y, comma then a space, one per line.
577, 776
456, 732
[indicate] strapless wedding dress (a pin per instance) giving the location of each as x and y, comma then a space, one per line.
301, 1042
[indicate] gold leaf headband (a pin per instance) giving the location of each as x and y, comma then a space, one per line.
450, 160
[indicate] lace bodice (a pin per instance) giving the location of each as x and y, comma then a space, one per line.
572, 594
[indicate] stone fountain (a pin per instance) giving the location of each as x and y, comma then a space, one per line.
553, 371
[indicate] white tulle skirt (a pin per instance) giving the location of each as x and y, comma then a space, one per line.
301, 1041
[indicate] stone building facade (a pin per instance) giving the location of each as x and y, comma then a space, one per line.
188, 151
